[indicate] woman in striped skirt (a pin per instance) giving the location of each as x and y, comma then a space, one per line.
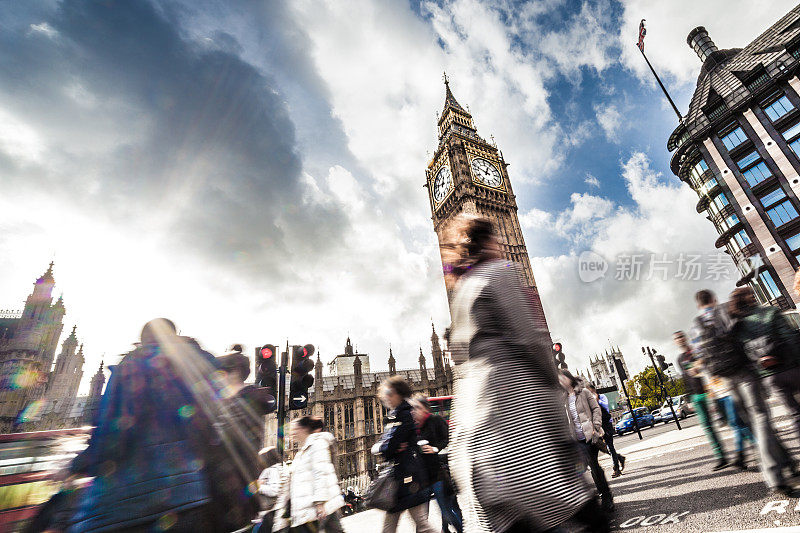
511, 454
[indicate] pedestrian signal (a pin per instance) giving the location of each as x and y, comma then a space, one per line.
301, 379
267, 368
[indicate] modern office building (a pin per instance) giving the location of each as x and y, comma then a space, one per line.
738, 147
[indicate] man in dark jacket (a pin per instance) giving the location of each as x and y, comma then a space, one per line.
433, 438
398, 444
243, 408
146, 452
608, 432
764, 335
691, 367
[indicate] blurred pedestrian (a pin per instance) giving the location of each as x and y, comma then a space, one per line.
766, 340
511, 455
269, 485
734, 416
331, 522
692, 371
722, 345
242, 417
398, 444
587, 423
434, 437
608, 431
147, 451
312, 492
773, 345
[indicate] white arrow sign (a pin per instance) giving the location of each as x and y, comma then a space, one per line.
299, 399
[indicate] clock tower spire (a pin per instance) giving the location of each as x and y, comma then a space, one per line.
468, 175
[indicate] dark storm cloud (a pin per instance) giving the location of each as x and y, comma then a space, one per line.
146, 124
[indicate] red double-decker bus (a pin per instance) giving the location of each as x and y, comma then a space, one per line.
28, 462
440, 405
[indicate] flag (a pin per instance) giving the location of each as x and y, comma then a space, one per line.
642, 33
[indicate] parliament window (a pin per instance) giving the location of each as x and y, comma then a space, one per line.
748, 160
792, 136
769, 285
779, 209
734, 138
778, 108
793, 243
757, 173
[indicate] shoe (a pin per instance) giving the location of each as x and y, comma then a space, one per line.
785, 490
721, 464
740, 462
608, 505
621, 463
616, 473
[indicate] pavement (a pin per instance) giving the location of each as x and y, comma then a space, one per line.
668, 486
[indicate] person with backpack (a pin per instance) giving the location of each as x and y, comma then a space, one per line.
721, 341
771, 346
608, 431
691, 369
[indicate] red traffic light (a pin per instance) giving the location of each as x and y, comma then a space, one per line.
556, 346
267, 352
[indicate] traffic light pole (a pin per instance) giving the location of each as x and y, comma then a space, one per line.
282, 398
633, 414
663, 388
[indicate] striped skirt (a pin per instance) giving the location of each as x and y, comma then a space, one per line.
511, 454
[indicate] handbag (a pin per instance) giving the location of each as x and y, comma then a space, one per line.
382, 493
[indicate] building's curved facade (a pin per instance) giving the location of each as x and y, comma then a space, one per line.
738, 147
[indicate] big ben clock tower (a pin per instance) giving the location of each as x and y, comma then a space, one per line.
468, 175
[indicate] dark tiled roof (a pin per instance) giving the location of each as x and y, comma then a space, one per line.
726, 71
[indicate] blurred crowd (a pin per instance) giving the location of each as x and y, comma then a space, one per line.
177, 442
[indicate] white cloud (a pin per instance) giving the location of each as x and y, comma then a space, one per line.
660, 220
43, 28
610, 119
591, 180
730, 25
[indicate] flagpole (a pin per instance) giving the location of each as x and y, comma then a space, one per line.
664, 89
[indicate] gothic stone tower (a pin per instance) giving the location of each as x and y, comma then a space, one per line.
468, 175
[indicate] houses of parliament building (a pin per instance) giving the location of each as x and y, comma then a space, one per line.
37, 389
349, 406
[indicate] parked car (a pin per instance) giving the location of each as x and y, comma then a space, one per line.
681, 406
656, 415
643, 418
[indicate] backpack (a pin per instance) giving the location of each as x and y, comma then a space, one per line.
723, 354
779, 347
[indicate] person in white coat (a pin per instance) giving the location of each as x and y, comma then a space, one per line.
313, 488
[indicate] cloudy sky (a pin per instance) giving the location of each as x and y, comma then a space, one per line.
254, 170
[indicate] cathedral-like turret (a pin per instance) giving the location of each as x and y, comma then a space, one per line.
392, 367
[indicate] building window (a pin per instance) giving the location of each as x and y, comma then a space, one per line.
720, 200
793, 243
778, 207
369, 416
748, 160
742, 239
778, 108
707, 186
349, 421
729, 222
697, 172
769, 285
734, 138
792, 136
757, 173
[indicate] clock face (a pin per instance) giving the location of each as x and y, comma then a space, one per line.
486, 173
442, 184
